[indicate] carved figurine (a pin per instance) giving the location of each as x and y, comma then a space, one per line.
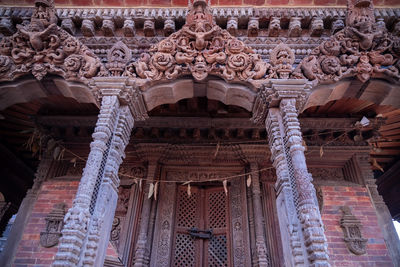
232, 25
149, 28
295, 27
169, 26
108, 27
87, 28
68, 25
274, 27
317, 27
253, 27
129, 28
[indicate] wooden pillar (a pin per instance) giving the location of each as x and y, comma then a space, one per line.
89, 221
289, 225
261, 248
141, 256
304, 192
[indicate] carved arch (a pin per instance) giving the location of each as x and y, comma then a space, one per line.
29, 89
377, 91
228, 93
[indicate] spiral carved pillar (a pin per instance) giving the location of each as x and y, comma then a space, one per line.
304, 234
88, 222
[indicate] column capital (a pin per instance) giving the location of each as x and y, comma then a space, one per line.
126, 91
271, 94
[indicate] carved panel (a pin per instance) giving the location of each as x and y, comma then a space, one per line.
327, 174
351, 227
240, 237
161, 249
54, 224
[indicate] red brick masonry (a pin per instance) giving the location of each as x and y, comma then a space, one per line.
31, 253
358, 200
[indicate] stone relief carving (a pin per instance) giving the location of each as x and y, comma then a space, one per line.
54, 224
352, 232
362, 49
42, 47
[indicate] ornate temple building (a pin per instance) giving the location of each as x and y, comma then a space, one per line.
230, 133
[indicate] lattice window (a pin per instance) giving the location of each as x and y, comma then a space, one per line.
291, 175
184, 251
100, 175
217, 251
217, 209
187, 209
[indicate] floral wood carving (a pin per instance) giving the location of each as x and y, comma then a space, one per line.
363, 49
201, 48
42, 47
352, 232
54, 224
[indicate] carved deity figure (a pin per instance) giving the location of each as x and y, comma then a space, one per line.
36, 34
44, 12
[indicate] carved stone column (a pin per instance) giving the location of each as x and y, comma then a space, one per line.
304, 192
141, 255
88, 222
261, 248
24, 212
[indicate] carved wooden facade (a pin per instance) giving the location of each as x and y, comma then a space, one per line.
169, 203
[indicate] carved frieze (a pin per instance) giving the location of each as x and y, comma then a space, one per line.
201, 48
351, 227
54, 225
327, 174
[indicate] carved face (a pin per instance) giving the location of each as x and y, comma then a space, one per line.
317, 24
169, 25
166, 46
232, 24
253, 24
337, 25
199, 70
235, 46
148, 25
129, 23
275, 23
330, 65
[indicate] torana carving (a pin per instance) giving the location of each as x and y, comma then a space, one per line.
42, 47
201, 48
363, 49
352, 232
54, 224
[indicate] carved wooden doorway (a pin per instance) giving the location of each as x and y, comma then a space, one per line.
201, 235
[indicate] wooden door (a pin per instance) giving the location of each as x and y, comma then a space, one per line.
205, 210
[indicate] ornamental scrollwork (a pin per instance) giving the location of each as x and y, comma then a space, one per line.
42, 47
201, 48
364, 48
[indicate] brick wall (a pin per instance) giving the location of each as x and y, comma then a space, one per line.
358, 200
30, 252
183, 3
